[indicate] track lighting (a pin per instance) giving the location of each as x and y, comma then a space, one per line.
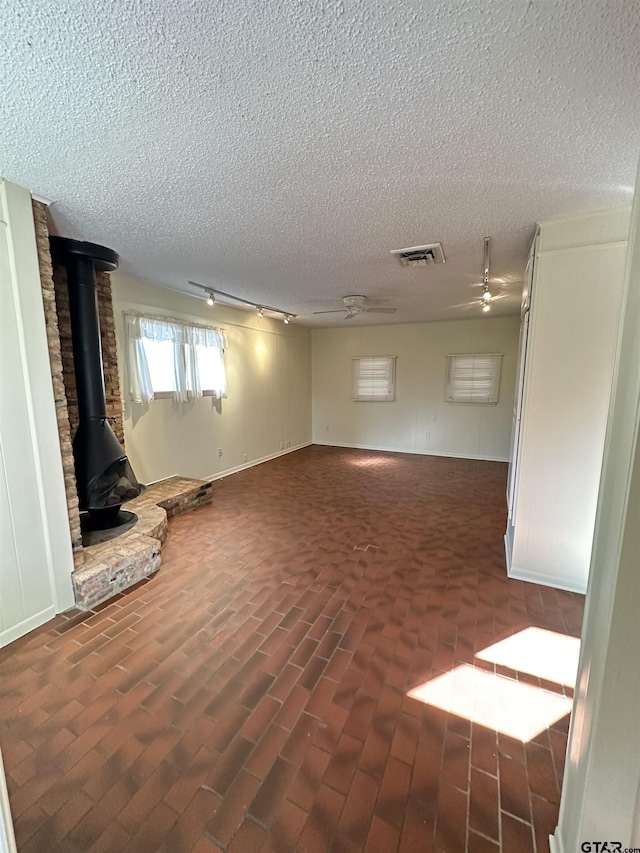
211, 298
486, 295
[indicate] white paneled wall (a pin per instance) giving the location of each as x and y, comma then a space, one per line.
269, 392
35, 543
575, 307
419, 420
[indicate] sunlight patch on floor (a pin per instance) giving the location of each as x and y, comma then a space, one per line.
516, 709
547, 654
372, 461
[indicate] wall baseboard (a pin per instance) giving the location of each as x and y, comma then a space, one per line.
254, 462
22, 628
554, 581
414, 452
555, 842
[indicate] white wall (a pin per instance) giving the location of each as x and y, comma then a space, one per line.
269, 392
477, 432
35, 542
601, 788
575, 311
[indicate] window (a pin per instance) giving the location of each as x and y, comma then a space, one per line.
169, 357
159, 355
374, 379
473, 378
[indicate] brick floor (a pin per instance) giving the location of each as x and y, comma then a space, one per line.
252, 695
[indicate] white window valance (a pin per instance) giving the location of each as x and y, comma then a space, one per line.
195, 352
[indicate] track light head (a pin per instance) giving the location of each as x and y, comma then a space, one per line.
486, 296
260, 312
286, 319
486, 307
210, 297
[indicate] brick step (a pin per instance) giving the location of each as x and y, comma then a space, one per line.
113, 566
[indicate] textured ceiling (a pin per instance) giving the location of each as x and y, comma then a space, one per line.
279, 149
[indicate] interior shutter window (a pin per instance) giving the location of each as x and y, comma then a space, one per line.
473, 378
374, 379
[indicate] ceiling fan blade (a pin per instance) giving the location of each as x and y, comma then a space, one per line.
336, 311
380, 310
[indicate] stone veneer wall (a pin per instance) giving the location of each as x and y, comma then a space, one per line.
115, 411
55, 298
59, 392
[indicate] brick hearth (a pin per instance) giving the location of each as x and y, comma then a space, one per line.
111, 567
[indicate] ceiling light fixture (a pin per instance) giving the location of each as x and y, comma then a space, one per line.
211, 298
486, 295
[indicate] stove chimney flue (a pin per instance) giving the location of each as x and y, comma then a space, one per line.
104, 476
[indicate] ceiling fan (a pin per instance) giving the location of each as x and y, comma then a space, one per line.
354, 305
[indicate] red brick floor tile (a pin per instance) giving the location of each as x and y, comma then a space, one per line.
541, 773
480, 844
154, 829
205, 845
286, 829
267, 750
484, 805
113, 838
272, 791
252, 695
484, 750
451, 823
227, 767
516, 835
249, 837
358, 808
343, 765
514, 789
417, 829
189, 829
393, 792
383, 838
545, 820
320, 827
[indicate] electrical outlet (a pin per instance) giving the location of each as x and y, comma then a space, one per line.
427, 434
288, 444
434, 417
282, 445
219, 452
245, 457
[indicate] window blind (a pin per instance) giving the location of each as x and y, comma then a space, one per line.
374, 378
473, 378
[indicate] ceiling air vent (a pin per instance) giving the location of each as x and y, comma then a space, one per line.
420, 256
